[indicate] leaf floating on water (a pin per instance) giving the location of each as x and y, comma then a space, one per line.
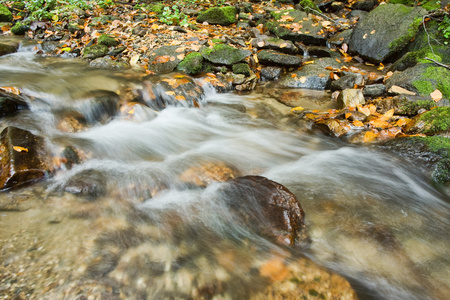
358, 123
20, 149
436, 95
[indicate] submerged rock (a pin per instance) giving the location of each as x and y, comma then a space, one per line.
10, 104
89, 184
350, 98
8, 49
24, 158
267, 206
95, 51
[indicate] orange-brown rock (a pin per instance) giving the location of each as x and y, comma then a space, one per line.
208, 173
24, 158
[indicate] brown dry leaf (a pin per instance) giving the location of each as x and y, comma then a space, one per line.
179, 50
373, 76
358, 123
369, 136
20, 149
321, 75
436, 95
5, 28
283, 45
363, 109
115, 23
176, 43
274, 269
326, 23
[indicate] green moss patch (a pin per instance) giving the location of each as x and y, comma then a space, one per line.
219, 16
436, 120
5, 14
434, 78
192, 64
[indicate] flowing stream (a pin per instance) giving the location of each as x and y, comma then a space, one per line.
370, 217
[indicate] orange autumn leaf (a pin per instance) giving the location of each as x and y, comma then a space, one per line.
11, 89
387, 115
372, 109
402, 122
347, 115
180, 97
380, 123
436, 95
358, 123
310, 116
369, 136
293, 75
20, 149
274, 269
161, 59
309, 62
321, 75
365, 110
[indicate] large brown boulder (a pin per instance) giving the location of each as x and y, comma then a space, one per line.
23, 158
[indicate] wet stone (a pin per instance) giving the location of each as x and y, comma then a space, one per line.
271, 57
8, 49
350, 98
270, 73
11, 104
266, 42
374, 90
268, 207
89, 184
24, 158
165, 59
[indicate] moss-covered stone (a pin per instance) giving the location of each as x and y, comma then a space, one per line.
224, 54
427, 4
157, 8
107, 40
400, 42
296, 15
219, 16
241, 68
95, 51
308, 5
19, 28
411, 108
18, 5
435, 121
434, 78
5, 14
7, 49
192, 64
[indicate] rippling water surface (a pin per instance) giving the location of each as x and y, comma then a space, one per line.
371, 217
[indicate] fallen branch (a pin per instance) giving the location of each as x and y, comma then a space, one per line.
438, 63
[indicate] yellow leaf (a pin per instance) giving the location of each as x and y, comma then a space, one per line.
180, 97
66, 49
436, 95
387, 115
297, 109
20, 149
302, 79
402, 122
308, 62
369, 136
358, 123
283, 45
372, 32
11, 89
347, 115
381, 67
154, 26
310, 116
364, 110
172, 93
55, 18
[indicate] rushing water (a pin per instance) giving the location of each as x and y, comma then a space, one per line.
370, 216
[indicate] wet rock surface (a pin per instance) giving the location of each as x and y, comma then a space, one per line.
24, 158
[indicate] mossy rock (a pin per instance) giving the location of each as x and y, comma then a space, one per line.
107, 40
7, 49
423, 79
428, 43
241, 68
426, 4
224, 54
219, 16
435, 121
314, 36
192, 64
308, 5
386, 31
297, 15
95, 51
19, 28
5, 14
431, 152
405, 106
157, 8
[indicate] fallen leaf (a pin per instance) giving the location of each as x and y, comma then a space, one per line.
372, 32
283, 45
358, 123
402, 122
369, 136
293, 75
180, 56
134, 60
309, 62
180, 97
11, 89
297, 109
365, 110
436, 95
387, 115
20, 149
171, 93
261, 44
365, 36
321, 75
347, 115
302, 79
344, 47
161, 59
380, 123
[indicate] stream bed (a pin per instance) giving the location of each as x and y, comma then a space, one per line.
150, 233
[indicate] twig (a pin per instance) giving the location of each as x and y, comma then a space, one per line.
438, 63
321, 14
